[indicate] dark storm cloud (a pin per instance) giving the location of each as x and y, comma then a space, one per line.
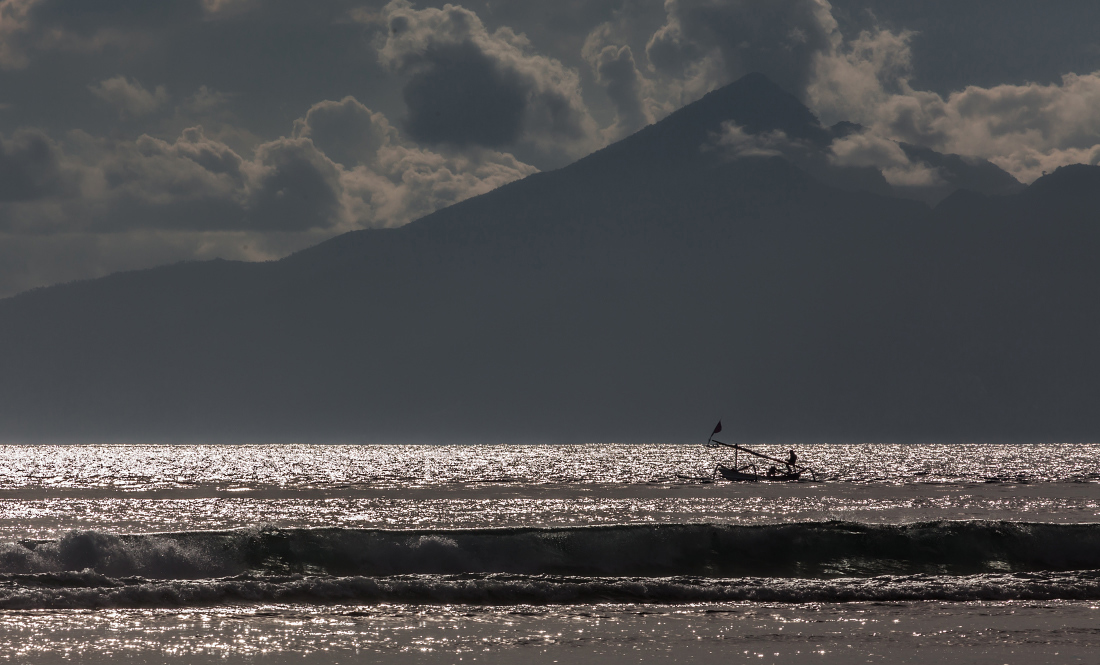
300, 188
469, 86
465, 97
30, 167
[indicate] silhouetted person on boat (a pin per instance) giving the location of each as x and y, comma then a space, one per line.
791, 460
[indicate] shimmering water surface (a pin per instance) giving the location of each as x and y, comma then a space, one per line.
143, 468
607, 553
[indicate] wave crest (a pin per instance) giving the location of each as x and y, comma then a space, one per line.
92, 591
801, 550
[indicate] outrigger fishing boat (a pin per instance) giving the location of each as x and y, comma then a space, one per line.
788, 469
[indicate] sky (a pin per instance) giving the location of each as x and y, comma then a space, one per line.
137, 133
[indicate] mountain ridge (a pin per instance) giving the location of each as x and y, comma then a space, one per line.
628, 297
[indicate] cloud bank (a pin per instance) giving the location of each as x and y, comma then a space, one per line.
135, 133
196, 197
1025, 129
467, 86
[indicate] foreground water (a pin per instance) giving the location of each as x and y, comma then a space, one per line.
189, 554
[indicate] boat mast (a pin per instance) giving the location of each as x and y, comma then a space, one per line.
736, 447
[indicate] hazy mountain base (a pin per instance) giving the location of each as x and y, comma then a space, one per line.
632, 296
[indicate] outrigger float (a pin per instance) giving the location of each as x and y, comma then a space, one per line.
784, 470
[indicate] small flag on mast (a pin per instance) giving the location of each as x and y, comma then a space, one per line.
717, 428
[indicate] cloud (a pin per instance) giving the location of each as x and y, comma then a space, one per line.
408, 182
296, 187
704, 44
856, 149
467, 86
735, 143
129, 97
1024, 129
859, 74
101, 205
348, 132
707, 43
617, 73
30, 167
196, 197
14, 22
867, 149
193, 182
427, 106
289, 184
73, 26
390, 180
206, 101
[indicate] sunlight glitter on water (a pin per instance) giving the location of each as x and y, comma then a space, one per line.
140, 467
988, 632
716, 504
89, 497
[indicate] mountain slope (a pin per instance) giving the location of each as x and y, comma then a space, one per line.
646, 289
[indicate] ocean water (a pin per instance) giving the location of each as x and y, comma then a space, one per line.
543, 554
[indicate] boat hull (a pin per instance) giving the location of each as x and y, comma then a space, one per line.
736, 475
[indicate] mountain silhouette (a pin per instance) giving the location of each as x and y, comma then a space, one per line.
634, 295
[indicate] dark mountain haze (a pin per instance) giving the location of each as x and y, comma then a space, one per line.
719, 263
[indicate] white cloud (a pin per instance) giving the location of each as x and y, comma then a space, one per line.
1024, 129
866, 149
854, 76
735, 143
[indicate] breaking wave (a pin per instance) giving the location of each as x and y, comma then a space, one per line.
804, 550
92, 591
812, 561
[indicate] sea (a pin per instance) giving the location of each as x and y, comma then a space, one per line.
596, 553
